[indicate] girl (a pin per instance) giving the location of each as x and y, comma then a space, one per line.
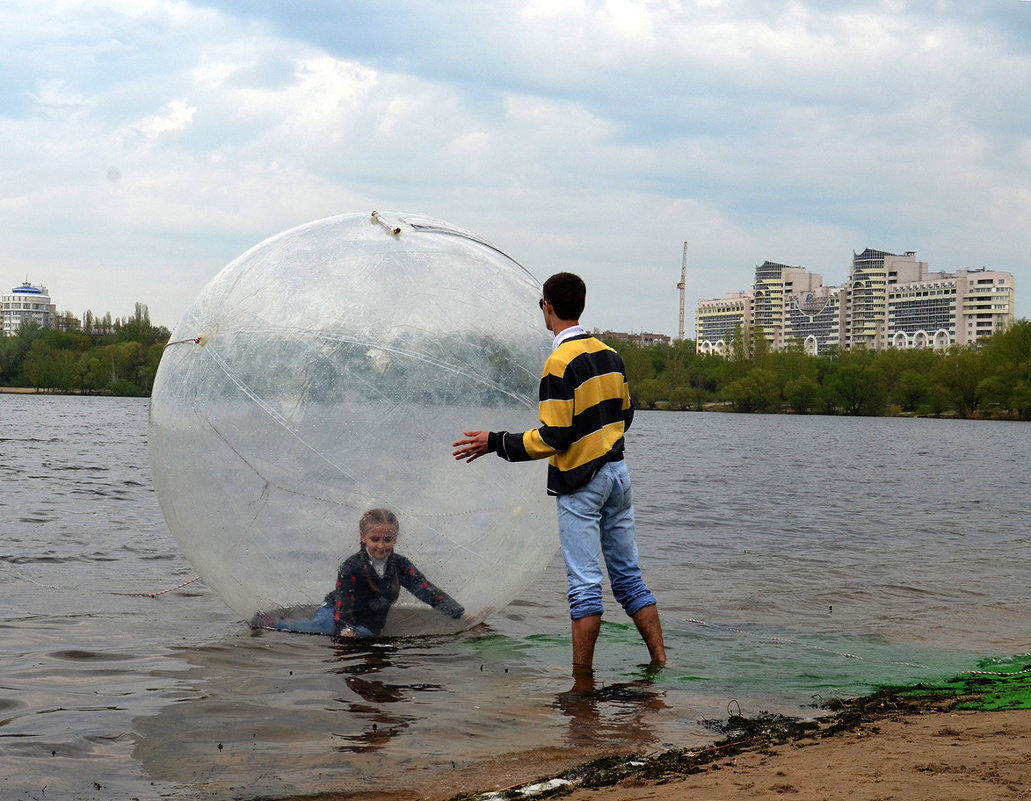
367, 585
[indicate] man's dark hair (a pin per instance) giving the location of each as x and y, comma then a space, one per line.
566, 293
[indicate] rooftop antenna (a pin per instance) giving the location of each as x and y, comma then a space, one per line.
682, 286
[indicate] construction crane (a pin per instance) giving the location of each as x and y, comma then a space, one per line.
682, 286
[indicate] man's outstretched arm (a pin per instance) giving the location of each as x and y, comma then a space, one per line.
472, 448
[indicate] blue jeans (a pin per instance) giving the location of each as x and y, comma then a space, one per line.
594, 521
321, 623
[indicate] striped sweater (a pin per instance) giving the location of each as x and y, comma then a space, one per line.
584, 410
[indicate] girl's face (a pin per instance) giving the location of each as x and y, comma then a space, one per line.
379, 539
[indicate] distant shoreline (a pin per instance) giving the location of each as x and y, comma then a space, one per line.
49, 393
717, 408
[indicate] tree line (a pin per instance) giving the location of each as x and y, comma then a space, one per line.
94, 355
989, 380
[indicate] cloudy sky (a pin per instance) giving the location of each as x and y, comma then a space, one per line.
144, 144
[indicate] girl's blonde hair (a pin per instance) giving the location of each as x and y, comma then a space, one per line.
378, 516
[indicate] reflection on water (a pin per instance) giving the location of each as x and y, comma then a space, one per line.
382, 718
283, 713
601, 714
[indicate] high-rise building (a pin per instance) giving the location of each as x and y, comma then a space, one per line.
889, 301
26, 304
813, 318
777, 288
985, 301
865, 296
716, 321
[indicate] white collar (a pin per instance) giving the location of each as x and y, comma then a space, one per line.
379, 565
567, 333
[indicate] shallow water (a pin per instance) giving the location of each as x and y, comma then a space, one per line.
795, 558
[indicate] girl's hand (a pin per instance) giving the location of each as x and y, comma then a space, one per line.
479, 617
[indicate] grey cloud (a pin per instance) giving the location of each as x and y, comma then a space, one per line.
741, 126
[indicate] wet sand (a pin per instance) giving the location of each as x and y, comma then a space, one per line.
922, 750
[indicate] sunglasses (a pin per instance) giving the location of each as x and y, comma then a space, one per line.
541, 303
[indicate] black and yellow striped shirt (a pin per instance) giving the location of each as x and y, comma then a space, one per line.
584, 410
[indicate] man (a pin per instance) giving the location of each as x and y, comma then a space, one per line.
584, 410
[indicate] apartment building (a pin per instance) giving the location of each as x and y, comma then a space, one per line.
889, 300
26, 304
716, 321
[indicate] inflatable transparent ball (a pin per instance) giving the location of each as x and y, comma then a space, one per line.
327, 371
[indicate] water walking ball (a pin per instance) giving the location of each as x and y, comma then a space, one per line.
326, 372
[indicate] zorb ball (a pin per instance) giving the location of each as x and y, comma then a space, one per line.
327, 371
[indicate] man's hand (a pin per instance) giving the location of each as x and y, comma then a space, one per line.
472, 448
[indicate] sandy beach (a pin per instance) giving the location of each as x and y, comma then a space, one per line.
929, 756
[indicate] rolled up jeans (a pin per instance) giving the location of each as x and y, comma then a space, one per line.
594, 522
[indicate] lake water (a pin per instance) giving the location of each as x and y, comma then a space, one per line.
794, 558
